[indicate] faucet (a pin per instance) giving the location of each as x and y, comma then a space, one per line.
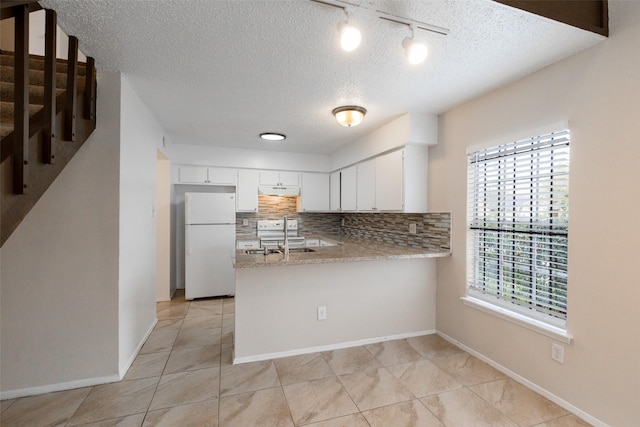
286, 238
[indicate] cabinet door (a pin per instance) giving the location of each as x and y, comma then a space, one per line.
314, 192
247, 190
348, 187
269, 177
279, 178
192, 175
334, 192
289, 178
389, 172
366, 186
221, 176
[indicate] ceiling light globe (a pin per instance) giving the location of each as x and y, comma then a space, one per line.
416, 51
349, 116
349, 36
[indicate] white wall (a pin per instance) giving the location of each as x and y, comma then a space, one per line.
140, 137
598, 91
410, 128
59, 287
368, 301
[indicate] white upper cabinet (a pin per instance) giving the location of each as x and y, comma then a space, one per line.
392, 182
314, 192
415, 177
348, 193
389, 181
366, 186
279, 178
247, 190
206, 175
334, 192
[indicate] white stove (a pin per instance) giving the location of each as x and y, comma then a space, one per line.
271, 233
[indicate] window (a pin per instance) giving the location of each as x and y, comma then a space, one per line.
517, 239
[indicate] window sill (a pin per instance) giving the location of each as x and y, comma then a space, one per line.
526, 322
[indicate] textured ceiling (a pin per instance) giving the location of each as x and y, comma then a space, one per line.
219, 72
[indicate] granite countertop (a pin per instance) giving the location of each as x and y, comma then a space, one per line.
348, 250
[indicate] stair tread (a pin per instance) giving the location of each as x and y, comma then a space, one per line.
37, 63
36, 93
7, 110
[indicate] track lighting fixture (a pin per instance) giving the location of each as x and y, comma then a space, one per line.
415, 50
349, 35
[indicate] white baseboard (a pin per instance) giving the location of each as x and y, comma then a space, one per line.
32, 391
330, 347
125, 368
530, 385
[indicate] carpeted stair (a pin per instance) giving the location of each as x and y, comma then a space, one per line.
36, 87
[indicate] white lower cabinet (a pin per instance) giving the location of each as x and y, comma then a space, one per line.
248, 244
312, 243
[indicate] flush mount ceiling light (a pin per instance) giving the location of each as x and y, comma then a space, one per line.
349, 115
415, 50
349, 35
271, 136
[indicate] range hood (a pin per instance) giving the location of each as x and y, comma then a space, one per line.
279, 190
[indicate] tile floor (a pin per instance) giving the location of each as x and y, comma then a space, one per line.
183, 376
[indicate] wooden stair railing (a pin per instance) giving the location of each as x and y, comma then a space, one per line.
40, 130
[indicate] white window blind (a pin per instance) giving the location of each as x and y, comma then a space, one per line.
518, 196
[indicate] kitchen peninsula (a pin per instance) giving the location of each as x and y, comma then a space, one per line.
370, 291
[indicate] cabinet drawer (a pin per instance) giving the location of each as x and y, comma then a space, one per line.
248, 244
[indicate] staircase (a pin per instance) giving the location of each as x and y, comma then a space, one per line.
47, 111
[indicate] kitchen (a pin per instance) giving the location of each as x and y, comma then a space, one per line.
119, 157
327, 234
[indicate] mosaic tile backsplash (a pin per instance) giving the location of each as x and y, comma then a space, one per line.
433, 230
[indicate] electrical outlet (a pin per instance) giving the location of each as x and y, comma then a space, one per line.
412, 228
342, 222
245, 222
557, 353
322, 313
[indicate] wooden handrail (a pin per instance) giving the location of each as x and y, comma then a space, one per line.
7, 7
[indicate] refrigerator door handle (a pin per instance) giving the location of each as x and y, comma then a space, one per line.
187, 242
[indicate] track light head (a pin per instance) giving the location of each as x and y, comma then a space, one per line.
415, 50
349, 36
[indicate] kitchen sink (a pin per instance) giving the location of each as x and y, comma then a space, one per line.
301, 250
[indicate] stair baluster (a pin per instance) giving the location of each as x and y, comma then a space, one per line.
21, 100
70, 105
49, 130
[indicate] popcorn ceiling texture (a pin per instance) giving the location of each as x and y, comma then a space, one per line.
433, 230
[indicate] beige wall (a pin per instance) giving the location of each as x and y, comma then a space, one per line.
598, 91
59, 289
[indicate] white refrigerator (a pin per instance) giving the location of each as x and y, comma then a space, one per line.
210, 238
